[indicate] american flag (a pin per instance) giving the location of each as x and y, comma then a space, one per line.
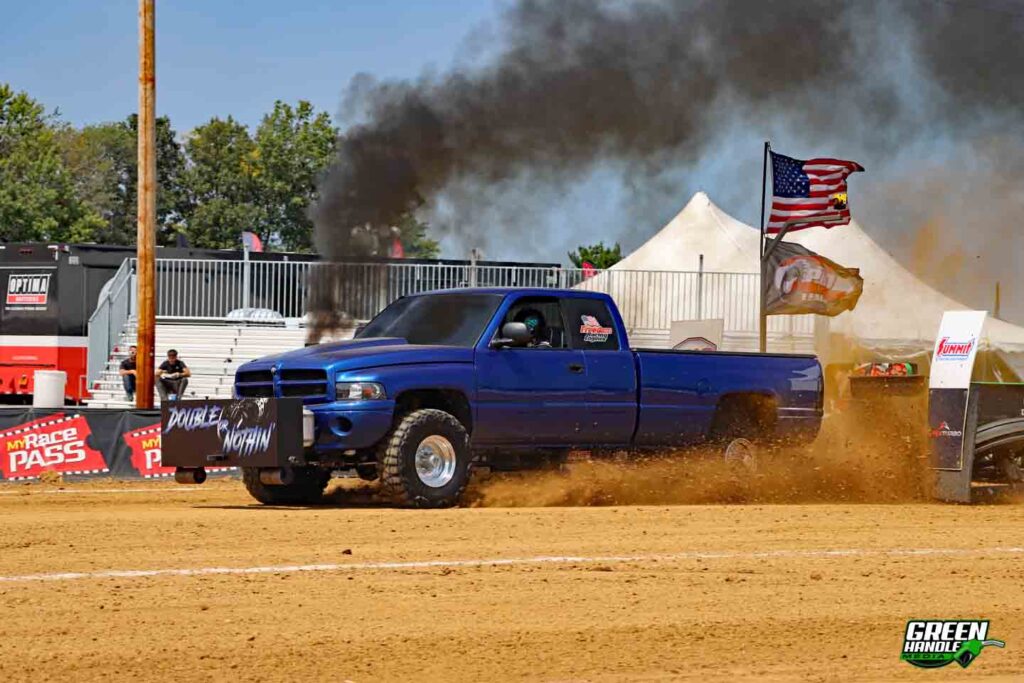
811, 193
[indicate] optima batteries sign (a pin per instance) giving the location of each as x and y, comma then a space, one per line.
30, 301
28, 289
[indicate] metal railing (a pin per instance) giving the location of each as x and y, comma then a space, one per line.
115, 307
652, 300
361, 290
194, 289
211, 289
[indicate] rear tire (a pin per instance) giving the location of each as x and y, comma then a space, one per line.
999, 452
736, 437
425, 460
307, 489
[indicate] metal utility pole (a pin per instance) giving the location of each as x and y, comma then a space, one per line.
146, 235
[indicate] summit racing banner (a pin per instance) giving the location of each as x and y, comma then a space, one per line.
124, 444
797, 281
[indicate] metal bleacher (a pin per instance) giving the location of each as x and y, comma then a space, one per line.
212, 350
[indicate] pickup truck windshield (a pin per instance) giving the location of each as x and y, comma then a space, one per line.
442, 319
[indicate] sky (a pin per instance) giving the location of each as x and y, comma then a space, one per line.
216, 57
220, 58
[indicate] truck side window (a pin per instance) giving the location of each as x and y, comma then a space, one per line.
590, 325
543, 316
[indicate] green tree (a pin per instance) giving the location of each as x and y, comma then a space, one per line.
293, 146
220, 184
93, 157
103, 162
598, 255
37, 195
172, 206
415, 242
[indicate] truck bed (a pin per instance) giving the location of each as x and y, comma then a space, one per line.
682, 391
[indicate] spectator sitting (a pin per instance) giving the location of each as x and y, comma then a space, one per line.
172, 377
128, 374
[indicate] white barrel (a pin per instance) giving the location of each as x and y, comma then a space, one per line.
49, 389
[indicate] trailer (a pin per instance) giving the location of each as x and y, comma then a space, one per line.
48, 292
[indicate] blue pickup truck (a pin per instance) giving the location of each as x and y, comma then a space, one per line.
445, 381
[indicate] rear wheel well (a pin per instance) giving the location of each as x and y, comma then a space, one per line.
740, 413
450, 401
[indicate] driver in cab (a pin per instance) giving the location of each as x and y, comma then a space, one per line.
534, 321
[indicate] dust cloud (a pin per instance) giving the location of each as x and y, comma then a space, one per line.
866, 454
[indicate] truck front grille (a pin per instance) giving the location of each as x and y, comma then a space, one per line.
302, 382
255, 390
254, 384
303, 375
310, 384
255, 376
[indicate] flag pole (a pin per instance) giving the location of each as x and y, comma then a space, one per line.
763, 312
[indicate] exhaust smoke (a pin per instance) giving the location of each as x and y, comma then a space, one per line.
647, 97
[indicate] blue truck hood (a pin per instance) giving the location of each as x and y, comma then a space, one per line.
355, 354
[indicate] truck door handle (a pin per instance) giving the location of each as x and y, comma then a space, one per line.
576, 367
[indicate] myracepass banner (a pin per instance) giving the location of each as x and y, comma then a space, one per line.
75, 442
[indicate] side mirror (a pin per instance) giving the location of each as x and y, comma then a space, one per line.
513, 334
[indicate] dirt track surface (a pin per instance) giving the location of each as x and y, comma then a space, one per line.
645, 593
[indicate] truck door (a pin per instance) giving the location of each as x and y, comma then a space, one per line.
536, 394
611, 372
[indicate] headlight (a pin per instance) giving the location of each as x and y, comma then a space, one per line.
359, 391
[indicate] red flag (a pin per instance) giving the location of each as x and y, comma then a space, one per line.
252, 241
396, 250
589, 270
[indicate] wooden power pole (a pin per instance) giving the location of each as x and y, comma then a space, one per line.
146, 235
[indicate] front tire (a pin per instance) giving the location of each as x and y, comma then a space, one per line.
307, 488
425, 460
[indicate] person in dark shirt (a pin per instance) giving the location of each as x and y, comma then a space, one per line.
128, 374
172, 377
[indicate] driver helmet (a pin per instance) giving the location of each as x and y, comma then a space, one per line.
534, 321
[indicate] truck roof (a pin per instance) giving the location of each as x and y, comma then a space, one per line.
539, 291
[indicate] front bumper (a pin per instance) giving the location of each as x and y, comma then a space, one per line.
347, 425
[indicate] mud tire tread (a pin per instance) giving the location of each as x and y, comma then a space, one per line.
397, 486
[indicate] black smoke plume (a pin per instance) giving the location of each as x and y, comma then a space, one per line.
650, 86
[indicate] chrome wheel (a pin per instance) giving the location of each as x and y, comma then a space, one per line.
741, 451
435, 461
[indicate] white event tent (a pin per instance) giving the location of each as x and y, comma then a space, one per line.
897, 312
